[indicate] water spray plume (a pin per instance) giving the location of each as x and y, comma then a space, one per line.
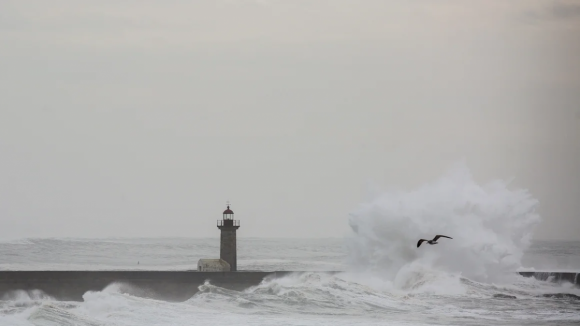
491, 227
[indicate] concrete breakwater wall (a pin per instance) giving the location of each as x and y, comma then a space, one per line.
557, 277
162, 285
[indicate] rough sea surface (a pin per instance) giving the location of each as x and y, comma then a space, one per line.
421, 297
386, 279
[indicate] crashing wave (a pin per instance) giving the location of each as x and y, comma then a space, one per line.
491, 226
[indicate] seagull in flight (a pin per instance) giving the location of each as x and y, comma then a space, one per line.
434, 241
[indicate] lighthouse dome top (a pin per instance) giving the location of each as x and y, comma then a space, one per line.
228, 211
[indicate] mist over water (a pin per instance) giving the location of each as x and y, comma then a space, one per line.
491, 226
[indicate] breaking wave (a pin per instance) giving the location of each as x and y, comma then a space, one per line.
309, 298
491, 226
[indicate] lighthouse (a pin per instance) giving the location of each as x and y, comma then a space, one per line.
228, 227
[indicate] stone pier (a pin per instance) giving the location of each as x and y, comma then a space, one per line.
162, 285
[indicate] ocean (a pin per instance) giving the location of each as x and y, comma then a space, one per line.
421, 297
384, 280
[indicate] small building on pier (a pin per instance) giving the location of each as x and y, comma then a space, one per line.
213, 265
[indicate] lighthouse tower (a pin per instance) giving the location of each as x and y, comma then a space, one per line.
228, 227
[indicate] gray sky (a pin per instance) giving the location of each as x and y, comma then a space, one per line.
141, 118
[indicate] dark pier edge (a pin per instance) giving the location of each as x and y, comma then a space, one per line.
162, 285
558, 277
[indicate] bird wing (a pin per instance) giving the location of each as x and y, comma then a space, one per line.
441, 236
420, 242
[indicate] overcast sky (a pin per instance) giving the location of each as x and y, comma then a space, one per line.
141, 118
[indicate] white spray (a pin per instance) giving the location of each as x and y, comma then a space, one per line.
491, 226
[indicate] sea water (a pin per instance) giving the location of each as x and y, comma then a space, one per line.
384, 279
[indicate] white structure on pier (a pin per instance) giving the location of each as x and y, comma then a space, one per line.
213, 265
